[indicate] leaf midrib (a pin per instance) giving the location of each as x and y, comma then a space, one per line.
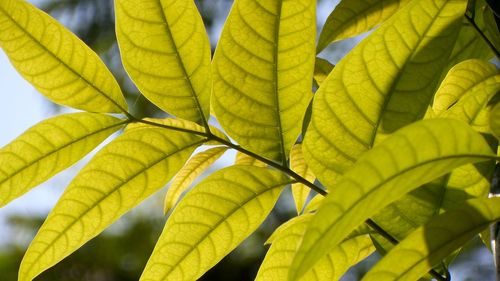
183, 67
54, 56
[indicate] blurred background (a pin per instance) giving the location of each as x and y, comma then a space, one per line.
121, 252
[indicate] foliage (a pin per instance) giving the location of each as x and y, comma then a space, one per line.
399, 140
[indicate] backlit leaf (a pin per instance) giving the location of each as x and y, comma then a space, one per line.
263, 69
165, 50
384, 83
464, 79
300, 192
404, 161
191, 170
495, 121
55, 61
48, 148
428, 245
243, 159
322, 68
353, 17
212, 219
119, 177
285, 241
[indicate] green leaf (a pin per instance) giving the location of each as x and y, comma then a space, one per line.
120, 176
470, 79
495, 121
300, 192
263, 69
384, 83
353, 17
285, 241
185, 177
428, 245
404, 161
55, 61
48, 148
165, 50
212, 219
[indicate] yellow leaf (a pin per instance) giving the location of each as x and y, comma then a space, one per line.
263, 69
285, 241
193, 168
384, 83
120, 176
353, 17
243, 159
212, 219
322, 68
55, 61
165, 50
48, 148
300, 192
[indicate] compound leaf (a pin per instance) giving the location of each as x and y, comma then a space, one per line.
165, 50
429, 245
263, 69
193, 168
119, 177
55, 61
212, 219
243, 159
384, 83
351, 18
48, 148
285, 241
404, 161
495, 121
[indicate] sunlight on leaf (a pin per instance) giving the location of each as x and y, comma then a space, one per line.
322, 68
263, 70
300, 192
48, 148
495, 121
286, 239
191, 170
165, 50
384, 83
404, 161
55, 61
353, 17
464, 79
120, 176
428, 245
212, 219
243, 159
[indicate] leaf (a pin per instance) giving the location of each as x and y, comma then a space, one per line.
353, 17
165, 50
243, 159
48, 148
429, 244
55, 61
300, 192
495, 121
384, 83
404, 161
285, 241
322, 68
120, 176
263, 69
463, 80
191, 170
212, 219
